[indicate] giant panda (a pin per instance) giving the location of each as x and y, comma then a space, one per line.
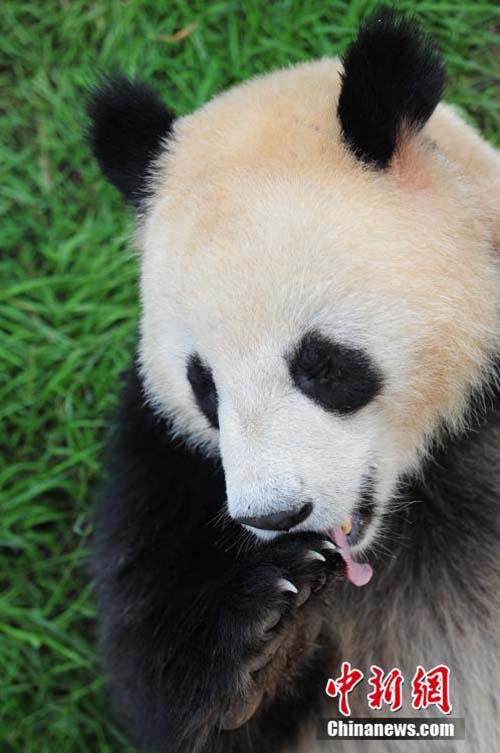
304, 468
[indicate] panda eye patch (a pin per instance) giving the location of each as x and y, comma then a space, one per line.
205, 393
337, 377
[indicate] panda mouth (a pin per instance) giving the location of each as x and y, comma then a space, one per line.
350, 533
358, 573
355, 527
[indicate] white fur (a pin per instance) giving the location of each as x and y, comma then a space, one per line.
264, 227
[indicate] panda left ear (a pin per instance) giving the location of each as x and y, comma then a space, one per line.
128, 123
392, 81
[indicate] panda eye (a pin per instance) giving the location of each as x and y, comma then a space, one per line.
205, 393
337, 377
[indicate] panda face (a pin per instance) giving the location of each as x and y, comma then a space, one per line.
319, 292
311, 321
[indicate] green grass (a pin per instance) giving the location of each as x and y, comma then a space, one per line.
68, 294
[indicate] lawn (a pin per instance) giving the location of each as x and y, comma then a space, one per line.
68, 292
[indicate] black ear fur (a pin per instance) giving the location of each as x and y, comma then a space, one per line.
127, 124
393, 78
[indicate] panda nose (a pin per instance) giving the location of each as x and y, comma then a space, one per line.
278, 521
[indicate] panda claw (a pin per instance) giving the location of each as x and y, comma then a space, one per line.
287, 586
271, 621
241, 711
304, 595
329, 545
312, 555
320, 582
264, 657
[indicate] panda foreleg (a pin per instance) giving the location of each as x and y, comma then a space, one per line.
207, 646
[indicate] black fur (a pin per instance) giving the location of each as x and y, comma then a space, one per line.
337, 377
205, 393
128, 123
393, 79
180, 603
447, 535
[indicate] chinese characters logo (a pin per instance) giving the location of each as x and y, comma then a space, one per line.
428, 688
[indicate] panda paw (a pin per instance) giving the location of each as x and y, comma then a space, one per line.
276, 611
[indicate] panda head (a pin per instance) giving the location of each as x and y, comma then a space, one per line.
319, 295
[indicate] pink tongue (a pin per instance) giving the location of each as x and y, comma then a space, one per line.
359, 574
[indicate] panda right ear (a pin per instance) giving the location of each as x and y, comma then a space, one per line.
392, 81
128, 123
